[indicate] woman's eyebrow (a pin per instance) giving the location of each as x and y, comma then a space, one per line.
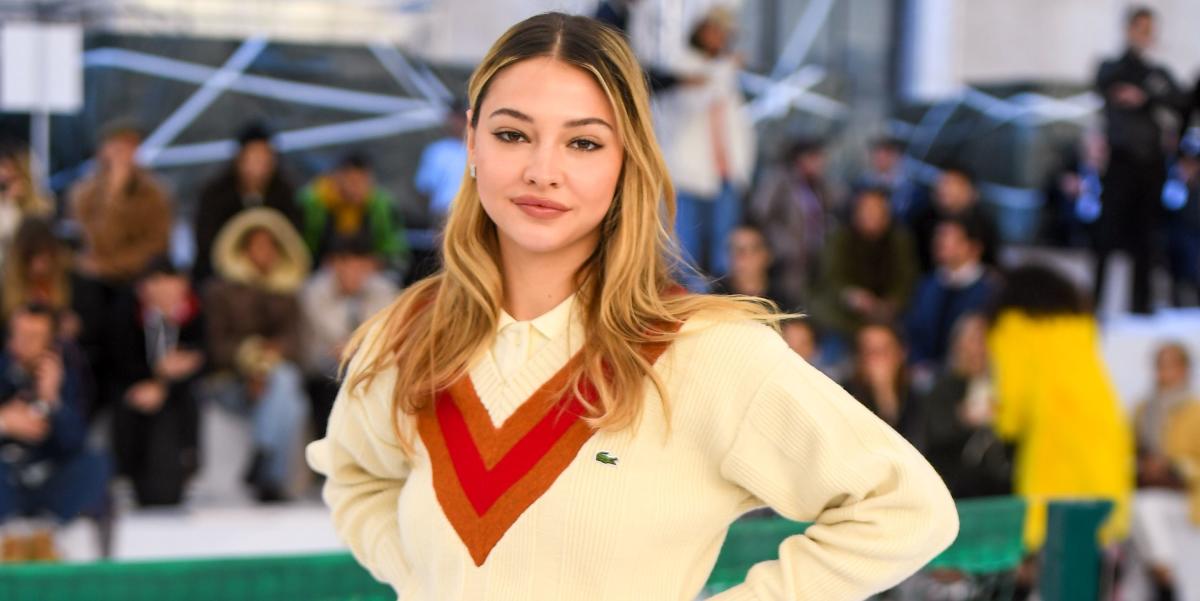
514, 113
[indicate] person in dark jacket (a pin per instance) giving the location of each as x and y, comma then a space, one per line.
155, 348
47, 474
253, 179
1137, 94
954, 195
961, 284
1181, 199
958, 412
880, 380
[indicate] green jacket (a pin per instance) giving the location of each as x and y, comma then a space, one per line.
385, 226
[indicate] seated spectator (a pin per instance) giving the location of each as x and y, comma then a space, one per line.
961, 284
156, 352
1056, 401
337, 299
254, 337
47, 475
124, 213
880, 380
885, 169
252, 179
38, 270
442, 165
801, 337
870, 269
347, 203
954, 196
1181, 199
20, 196
792, 208
1160, 505
1071, 202
959, 440
1163, 517
749, 266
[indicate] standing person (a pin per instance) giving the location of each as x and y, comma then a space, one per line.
442, 165
253, 179
1138, 97
125, 214
157, 349
1072, 195
1056, 401
348, 202
254, 337
20, 195
792, 207
484, 441
711, 151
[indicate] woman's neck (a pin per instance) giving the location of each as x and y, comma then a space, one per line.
535, 283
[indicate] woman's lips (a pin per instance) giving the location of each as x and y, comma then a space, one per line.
540, 208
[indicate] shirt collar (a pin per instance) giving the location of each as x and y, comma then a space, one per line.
549, 324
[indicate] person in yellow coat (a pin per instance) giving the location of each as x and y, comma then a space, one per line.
1056, 402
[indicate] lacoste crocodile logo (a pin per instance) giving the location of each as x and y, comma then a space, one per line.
605, 458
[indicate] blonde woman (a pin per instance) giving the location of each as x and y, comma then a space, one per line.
20, 195
550, 418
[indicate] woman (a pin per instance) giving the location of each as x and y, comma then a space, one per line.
37, 269
1056, 401
20, 196
881, 381
479, 449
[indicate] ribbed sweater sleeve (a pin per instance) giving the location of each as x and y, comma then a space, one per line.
365, 469
812, 452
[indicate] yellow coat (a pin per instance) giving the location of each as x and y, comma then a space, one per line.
1057, 403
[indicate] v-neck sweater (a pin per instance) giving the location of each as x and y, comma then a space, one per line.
504, 499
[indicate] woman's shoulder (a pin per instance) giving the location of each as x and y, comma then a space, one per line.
728, 341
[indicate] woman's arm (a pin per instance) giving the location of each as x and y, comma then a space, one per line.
365, 469
813, 453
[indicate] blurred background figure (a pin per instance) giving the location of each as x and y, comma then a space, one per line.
749, 267
1141, 106
954, 196
1056, 402
870, 269
710, 150
1181, 199
124, 213
1071, 199
348, 202
793, 208
443, 163
959, 412
255, 329
48, 476
344, 293
21, 195
253, 179
156, 352
885, 169
880, 380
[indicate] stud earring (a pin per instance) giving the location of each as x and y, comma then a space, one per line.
472, 171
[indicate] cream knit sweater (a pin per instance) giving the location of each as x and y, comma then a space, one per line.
637, 515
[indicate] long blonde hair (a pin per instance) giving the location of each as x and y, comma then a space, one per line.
433, 331
35, 201
35, 237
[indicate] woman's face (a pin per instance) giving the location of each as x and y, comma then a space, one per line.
872, 216
547, 158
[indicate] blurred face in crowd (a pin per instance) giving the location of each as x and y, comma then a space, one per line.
351, 272
354, 184
952, 249
954, 192
884, 158
262, 250
969, 351
799, 338
11, 185
119, 151
879, 352
748, 253
812, 163
1141, 33
548, 157
256, 164
42, 266
872, 215
713, 37
30, 336
166, 293
1171, 368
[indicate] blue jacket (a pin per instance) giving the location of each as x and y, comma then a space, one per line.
935, 309
67, 428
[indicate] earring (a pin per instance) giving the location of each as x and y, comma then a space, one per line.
472, 171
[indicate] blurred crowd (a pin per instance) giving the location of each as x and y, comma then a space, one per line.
991, 370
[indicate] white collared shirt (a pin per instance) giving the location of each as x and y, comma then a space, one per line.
518, 341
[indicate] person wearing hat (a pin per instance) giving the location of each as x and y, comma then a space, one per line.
1181, 199
252, 179
155, 350
254, 339
124, 213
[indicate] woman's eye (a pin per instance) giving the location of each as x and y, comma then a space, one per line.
586, 145
509, 136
